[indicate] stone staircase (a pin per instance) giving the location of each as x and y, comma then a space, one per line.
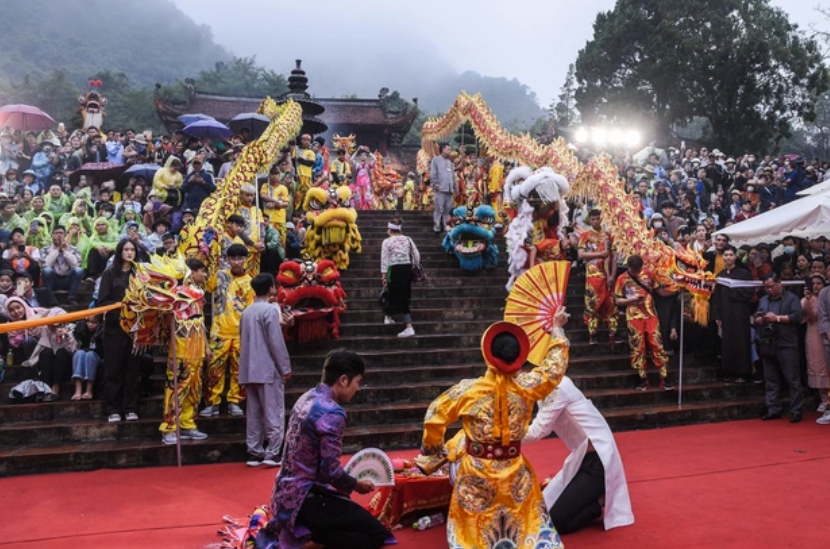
450, 312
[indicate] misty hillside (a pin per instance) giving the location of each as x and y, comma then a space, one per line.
151, 41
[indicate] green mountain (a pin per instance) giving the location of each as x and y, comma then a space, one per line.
151, 41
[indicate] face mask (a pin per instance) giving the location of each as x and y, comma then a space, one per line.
789, 249
107, 214
657, 224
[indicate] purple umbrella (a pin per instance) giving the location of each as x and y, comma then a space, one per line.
187, 119
25, 118
210, 129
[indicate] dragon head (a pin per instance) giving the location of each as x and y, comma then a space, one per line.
156, 290
347, 143
471, 238
312, 291
686, 269
332, 231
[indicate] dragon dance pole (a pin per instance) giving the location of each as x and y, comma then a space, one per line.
680, 377
174, 360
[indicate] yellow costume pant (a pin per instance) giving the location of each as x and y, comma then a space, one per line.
252, 263
643, 334
190, 387
599, 304
225, 357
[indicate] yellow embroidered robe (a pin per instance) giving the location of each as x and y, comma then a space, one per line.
495, 503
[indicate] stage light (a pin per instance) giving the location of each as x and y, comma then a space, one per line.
616, 137
600, 137
581, 135
632, 138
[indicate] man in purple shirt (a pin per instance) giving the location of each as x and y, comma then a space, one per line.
311, 494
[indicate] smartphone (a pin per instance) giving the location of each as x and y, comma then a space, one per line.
20, 289
21, 248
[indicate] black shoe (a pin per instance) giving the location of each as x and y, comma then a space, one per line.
665, 386
643, 386
73, 301
795, 418
768, 416
437, 231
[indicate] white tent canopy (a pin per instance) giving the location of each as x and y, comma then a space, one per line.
815, 189
806, 217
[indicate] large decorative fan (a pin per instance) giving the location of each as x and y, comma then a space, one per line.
372, 464
533, 302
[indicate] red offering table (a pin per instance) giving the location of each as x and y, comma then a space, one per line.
412, 493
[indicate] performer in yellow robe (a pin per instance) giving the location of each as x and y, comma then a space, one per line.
305, 158
497, 502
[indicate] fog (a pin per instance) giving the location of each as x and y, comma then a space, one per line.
359, 46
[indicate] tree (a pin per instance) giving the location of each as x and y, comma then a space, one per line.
243, 77
741, 64
564, 112
55, 94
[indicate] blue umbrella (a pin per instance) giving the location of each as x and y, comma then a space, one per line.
210, 129
147, 171
188, 119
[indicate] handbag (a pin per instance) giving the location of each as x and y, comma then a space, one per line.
383, 298
418, 274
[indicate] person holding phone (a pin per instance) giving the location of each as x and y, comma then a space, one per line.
22, 258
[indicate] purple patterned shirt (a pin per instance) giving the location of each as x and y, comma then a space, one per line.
311, 460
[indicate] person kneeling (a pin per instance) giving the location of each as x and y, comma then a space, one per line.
592, 473
310, 499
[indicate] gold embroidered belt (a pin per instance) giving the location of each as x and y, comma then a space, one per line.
486, 450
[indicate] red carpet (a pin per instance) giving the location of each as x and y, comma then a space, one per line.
730, 485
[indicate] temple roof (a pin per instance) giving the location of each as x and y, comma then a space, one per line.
352, 113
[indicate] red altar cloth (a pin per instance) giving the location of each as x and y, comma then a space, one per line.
411, 493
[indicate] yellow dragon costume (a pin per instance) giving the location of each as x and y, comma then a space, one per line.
201, 239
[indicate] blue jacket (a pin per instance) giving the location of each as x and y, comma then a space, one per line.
196, 193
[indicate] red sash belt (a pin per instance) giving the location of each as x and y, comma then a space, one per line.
486, 450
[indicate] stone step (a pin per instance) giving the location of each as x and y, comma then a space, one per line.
86, 456
361, 414
359, 344
351, 283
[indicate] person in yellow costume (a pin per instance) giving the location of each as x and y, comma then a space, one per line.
497, 501
252, 235
496, 183
191, 351
275, 198
409, 192
305, 158
232, 293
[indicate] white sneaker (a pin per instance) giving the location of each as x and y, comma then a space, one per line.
822, 408
114, 418
825, 419
409, 332
235, 410
132, 416
253, 461
211, 410
272, 462
168, 438
387, 321
192, 434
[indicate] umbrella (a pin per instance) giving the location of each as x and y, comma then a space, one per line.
188, 119
254, 122
25, 118
99, 171
210, 129
147, 171
533, 302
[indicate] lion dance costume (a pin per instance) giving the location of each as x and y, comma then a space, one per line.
534, 231
332, 231
497, 502
471, 238
158, 290
313, 293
